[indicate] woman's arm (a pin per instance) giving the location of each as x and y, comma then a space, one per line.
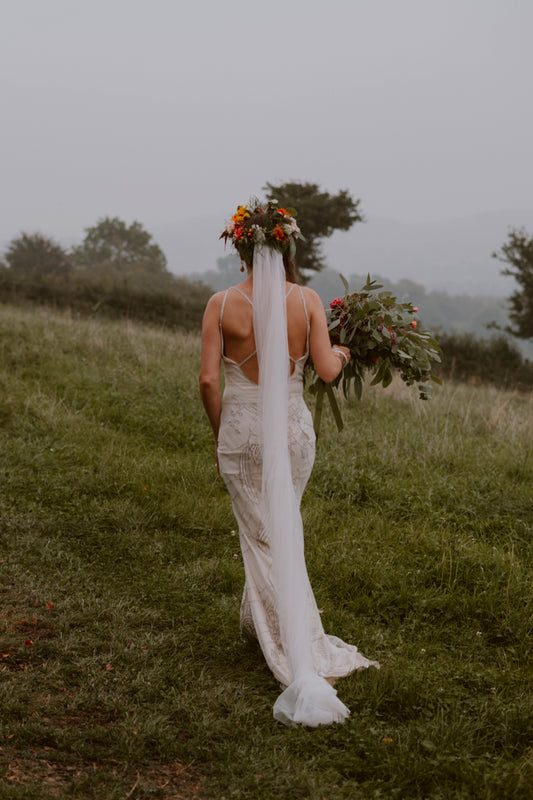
210, 368
326, 361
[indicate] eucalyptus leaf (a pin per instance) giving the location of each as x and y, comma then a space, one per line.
345, 282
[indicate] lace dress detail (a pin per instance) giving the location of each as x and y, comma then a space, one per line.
240, 461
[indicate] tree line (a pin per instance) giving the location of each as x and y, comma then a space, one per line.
118, 270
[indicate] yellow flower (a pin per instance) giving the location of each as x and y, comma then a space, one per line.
241, 214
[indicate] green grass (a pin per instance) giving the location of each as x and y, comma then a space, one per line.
137, 683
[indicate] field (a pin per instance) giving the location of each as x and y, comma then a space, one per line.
122, 670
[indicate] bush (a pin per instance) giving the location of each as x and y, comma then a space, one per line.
162, 299
496, 360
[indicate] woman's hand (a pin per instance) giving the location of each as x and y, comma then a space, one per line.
342, 352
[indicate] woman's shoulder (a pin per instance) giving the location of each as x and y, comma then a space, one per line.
214, 304
312, 299
217, 298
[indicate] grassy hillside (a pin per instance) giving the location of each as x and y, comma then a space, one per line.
123, 673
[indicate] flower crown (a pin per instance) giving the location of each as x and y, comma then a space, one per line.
262, 224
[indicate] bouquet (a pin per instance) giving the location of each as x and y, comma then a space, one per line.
382, 335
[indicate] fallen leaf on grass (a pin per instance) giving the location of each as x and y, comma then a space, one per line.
109, 667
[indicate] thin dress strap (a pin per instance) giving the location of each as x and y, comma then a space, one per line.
236, 288
306, 319
220, 321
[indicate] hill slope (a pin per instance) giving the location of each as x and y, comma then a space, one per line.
123, 668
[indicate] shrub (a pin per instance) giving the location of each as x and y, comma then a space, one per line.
496, 360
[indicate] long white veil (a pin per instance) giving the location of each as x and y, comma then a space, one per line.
309, 699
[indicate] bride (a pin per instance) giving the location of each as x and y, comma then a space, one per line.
263, 331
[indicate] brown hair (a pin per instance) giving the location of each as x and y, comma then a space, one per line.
291, 270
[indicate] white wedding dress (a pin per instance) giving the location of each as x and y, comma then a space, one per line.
240, 461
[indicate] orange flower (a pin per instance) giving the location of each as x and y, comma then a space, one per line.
278, 233
284, 212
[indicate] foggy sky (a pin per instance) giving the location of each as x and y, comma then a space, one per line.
165, 110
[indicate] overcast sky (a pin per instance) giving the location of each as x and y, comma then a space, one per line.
165, 110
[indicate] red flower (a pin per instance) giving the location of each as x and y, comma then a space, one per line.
335, 303
413, 324
28, 642
415, 309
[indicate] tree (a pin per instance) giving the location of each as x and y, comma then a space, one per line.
112, 243
319, 214
518, 253
33, 253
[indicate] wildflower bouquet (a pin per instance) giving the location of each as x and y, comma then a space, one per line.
382, 335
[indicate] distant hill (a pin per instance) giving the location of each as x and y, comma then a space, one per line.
438, 310
452, 255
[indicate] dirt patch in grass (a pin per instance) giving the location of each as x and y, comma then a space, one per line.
170, 781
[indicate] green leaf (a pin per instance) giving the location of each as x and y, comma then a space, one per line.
345, 282
380, 373
387, 378
318, 406
334, 407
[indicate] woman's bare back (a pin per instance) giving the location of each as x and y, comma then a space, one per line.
238, 339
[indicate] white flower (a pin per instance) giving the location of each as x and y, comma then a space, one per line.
230, 227
259, 234
291, 227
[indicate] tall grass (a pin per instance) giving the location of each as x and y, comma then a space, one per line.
136, 683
